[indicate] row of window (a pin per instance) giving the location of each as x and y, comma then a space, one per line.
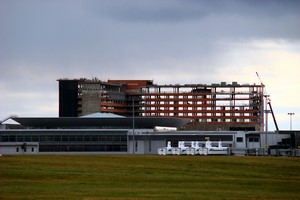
250, 139
83, 148
63, 138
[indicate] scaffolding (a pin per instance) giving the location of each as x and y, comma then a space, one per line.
215, 103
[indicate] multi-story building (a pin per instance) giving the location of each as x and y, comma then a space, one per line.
217, 106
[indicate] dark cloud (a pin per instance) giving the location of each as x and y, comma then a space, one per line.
215, 19
182, 10
60, 30
153, 11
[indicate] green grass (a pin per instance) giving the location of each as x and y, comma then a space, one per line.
149, 177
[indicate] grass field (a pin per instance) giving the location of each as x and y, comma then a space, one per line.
149, 177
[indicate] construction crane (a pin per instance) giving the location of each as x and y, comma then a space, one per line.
268, 101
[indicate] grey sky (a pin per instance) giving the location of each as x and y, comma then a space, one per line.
169, 41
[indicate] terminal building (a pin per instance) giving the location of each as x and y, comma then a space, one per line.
109, 134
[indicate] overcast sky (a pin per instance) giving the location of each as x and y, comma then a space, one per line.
168, 41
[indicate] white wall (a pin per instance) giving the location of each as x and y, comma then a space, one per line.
18, 148
242, 144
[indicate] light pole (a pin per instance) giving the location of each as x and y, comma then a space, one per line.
267, 112
291, 120
133, 142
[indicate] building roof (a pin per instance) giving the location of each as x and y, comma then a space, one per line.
102, 115
110, 122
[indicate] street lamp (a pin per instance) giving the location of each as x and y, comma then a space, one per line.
291, 123
267, 112
133, 141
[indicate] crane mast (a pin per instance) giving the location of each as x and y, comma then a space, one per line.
268, 101
275, 122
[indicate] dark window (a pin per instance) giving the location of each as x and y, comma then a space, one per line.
79, 138
27, 138
239, 139
242, 128
116, 138
50, 138
57, 138
4, 138
35, 138
101, 138
20, 138
43, 138
87, 138
124, 138
65, 138
12, 138
72, 138
109, 138
94, 138
253, 139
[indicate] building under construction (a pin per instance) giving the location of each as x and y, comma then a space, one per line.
217, 106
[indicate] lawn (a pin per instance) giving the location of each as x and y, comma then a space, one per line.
149, 177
